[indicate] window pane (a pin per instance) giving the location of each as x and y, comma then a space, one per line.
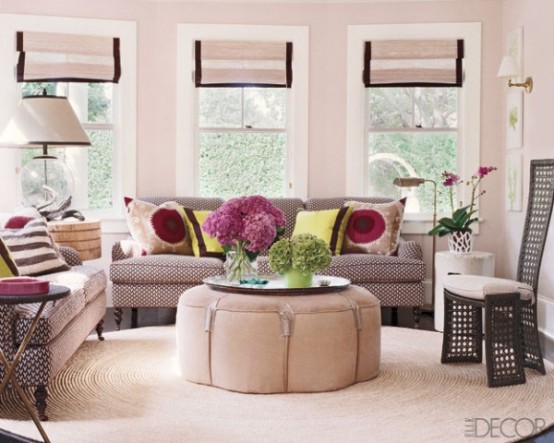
436, 107
264, 107
220, 107
390, 107
100, 171
100, 102
34, 88
234, 164
411, 154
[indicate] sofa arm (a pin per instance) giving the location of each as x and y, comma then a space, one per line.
123, 249
70, 255
409, 249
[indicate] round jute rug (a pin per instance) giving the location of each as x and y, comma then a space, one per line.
128, 389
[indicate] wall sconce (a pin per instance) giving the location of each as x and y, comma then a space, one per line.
509, 68
410, 182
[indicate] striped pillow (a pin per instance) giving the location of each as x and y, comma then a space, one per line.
7, 265
33, 250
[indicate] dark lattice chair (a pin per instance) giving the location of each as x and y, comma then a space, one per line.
511, 332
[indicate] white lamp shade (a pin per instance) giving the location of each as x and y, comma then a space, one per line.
44, 120
508, 67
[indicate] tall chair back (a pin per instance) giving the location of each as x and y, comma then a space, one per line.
537, 220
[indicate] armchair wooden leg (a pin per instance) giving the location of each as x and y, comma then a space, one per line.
417, 316
100, 329
41, 394
134, 318
118, 315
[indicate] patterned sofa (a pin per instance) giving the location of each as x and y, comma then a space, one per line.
62, 328
158, 280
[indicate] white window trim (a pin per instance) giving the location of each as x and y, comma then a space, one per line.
297, 122
469, 99
125, 139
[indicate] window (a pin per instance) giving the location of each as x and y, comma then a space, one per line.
411, 132
107, 170
393, 129
93, 103
242, 141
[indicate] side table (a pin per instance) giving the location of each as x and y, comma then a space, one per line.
56, 292
84, 236
475, 263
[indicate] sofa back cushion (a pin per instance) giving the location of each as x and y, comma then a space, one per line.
205, 203
291, 207
318, 204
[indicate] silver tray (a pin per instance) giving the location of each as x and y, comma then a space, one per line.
276, 285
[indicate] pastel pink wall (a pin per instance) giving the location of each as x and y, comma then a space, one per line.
538, 136
157, 25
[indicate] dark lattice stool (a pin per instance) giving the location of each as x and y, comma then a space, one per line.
511, 330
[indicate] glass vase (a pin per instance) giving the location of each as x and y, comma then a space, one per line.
238, 265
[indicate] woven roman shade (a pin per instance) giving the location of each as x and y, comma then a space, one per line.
243, 63
398, 63
46, 56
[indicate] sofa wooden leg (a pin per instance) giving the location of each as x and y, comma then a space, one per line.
100, 329
134, 318
417, 316
41, 394
118, 315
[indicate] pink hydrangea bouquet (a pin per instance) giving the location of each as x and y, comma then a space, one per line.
244, 226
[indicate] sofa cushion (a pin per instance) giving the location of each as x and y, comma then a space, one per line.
165, 269
380, 268
33, 250
92, 280
8, 268
202, 244
361, 268
374, 228
329, 225
158, 229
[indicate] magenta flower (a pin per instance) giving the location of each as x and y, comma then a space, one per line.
484, 170
450, 178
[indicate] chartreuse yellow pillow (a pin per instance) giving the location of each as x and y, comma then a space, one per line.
329, 225
8, 267
202, 244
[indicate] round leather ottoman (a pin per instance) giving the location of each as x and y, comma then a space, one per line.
274, 343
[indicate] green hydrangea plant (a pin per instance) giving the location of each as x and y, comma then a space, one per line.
304, 252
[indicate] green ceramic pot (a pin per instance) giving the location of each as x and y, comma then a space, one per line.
297, 279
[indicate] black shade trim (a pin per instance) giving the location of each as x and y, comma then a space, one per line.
241, 85
117, 60
198, 63
64, 79
289, 64
367, 59
50, 143
416, 84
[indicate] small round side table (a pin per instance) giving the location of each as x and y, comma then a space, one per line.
474, 263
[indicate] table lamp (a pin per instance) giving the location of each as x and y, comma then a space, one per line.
42, 121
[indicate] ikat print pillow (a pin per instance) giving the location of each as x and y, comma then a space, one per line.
158, 229
374, 228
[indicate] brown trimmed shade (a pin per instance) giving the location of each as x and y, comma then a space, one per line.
46, 56
401, 63
243, 63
